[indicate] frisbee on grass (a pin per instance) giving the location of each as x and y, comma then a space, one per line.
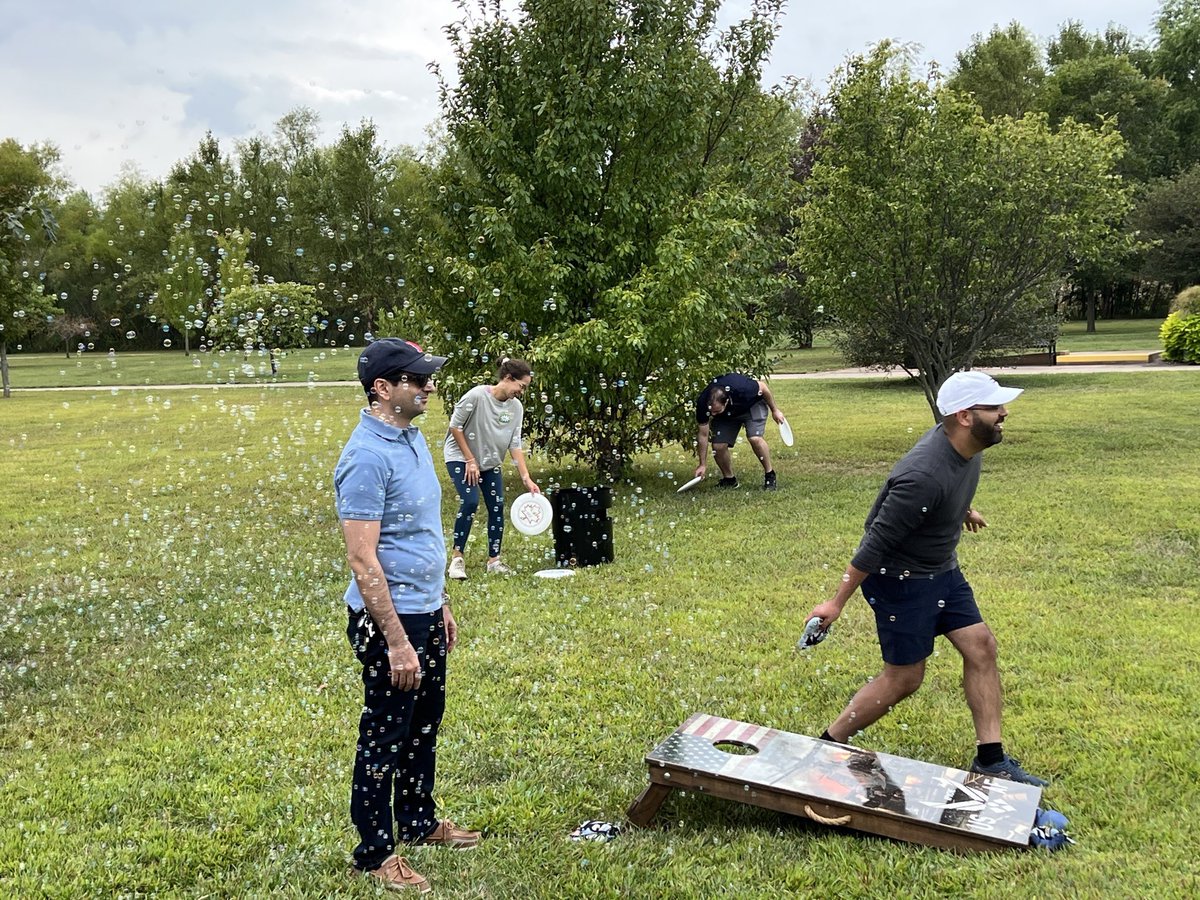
813, 634
688, 485
785, 432
531, 513
554, 573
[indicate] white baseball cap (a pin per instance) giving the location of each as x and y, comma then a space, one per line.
962, 390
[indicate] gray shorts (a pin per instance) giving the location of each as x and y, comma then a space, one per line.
724, 429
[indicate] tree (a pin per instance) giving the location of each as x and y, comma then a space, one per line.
355, 239
601, 208
1176, 58
264, 317
799, 314
179, 299
1003, 72
934, 235
66, 327
1166, 216
1094, 80
27, 187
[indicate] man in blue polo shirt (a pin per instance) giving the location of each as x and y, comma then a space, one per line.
907, 566
729, 403
400, 624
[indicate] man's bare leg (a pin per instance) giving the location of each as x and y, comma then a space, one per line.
876, 698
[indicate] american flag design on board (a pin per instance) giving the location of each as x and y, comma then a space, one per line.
691, 745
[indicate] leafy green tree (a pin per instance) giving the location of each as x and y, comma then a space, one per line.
1093, 80
264, 317
356, 243
277, 176
1166, 216
179, 299
1075, 42
1176, 58
131, 246
935, 235
234, 270
27, 189
799, 314
604, 208
1097, 78
1003, 71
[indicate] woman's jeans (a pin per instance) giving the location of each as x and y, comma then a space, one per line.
492, 484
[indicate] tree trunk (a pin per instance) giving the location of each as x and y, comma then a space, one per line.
187, 347
4, 368
1091, 312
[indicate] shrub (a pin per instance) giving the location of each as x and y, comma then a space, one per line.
1180, 333
1187, 301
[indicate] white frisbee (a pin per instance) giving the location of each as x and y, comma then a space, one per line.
531, 513
785, 432
688, 485
554, 573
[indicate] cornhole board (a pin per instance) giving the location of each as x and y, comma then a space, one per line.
836, 784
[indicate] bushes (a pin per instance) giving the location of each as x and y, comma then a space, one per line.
1180, 333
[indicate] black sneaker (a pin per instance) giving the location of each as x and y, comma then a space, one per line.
769, 483
1008, 768
730, 482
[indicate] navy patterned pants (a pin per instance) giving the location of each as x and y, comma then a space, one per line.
392, 794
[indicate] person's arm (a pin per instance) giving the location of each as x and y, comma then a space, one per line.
828, 611
909, 497
702, 449
449, 622
362, 539
765, 391
518, 456
460, 438
974, 521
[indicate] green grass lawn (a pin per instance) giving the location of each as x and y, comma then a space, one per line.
820, 357
1119, 334
178, 702
337, 364
172, 367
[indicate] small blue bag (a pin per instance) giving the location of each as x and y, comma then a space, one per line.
1049, 830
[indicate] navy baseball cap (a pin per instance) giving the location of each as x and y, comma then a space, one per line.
387, 357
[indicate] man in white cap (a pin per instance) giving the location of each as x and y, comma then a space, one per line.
907, 567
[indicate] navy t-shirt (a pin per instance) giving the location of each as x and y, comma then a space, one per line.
742, 391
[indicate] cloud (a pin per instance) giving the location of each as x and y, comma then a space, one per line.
126, 80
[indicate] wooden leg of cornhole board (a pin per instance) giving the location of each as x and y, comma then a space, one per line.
646, 806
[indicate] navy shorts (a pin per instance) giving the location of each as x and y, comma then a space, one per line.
911, 612
725, 429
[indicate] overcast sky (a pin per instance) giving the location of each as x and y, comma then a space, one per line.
130, 81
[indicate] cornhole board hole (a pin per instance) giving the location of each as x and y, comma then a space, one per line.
836, 784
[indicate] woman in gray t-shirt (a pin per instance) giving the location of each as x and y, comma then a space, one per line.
485, 425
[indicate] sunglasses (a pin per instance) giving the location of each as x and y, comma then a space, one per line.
417, 381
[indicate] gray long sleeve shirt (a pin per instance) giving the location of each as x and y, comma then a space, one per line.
915, 524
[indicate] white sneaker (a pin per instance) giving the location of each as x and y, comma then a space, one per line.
496, 567
458, 569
